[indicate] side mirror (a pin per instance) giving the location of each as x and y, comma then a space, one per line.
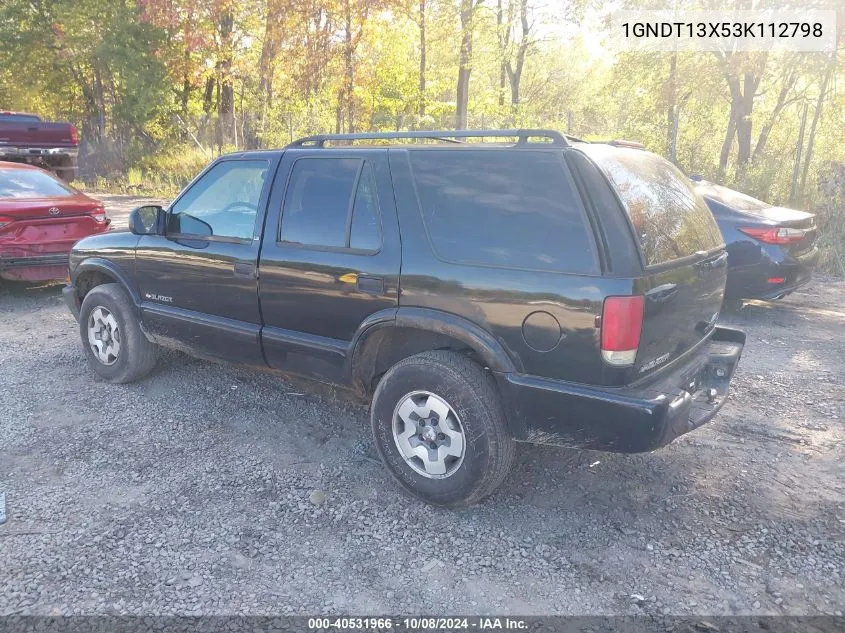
147, 220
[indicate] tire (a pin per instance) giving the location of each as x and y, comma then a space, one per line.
109, 313
732, 305
473, 411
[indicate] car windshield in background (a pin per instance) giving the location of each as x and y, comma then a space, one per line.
671, 219
30, 183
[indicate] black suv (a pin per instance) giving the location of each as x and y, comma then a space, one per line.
536, 288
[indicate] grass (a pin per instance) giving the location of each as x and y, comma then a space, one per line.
160, 175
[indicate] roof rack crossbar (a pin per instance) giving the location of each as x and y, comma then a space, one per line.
447, 136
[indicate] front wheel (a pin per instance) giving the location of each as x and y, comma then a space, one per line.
115, 347
440, 429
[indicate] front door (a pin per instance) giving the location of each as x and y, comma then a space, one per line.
198, 282
330, 257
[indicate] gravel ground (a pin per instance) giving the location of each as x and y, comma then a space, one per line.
210, 489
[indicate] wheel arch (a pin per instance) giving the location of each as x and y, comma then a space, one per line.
390, 336
94, 272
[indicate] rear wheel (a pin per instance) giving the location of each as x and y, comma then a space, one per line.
440, 429
115, 347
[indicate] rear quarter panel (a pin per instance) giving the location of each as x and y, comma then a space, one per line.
500, 300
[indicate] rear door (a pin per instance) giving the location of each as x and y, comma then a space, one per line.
330, 257
683, 255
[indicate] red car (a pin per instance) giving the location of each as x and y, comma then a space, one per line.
41, 218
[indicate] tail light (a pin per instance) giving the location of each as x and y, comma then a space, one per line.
74, 137
774, 235
99, 214
621, 326
4, 220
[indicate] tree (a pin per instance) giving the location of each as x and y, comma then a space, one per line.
468, 9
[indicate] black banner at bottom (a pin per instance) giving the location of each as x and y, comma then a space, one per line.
404, 624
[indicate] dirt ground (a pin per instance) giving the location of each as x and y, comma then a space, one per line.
213, 489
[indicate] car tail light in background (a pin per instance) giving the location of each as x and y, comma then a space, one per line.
621, 326
4, 220
99, 214
774, 235
74, 136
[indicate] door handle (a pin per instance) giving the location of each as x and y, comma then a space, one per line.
371, 284
245, 269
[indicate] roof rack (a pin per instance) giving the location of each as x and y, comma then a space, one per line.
446, 136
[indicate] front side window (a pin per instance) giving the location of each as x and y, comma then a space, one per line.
514, 209
332, 202
223, 203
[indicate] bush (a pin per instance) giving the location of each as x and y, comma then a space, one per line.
830, 213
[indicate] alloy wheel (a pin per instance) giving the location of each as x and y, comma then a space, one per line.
429, 435
104, 335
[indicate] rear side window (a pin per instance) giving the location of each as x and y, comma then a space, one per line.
671, 220
515, 209
332, 202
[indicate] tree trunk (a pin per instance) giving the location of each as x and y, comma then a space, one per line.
816, 116
349, 69
464, 63
269, 50
672, 107
728, 142
514, 73
744, 121
208, 96
422, 58
503, 73
794, 185
100, 103
227, 91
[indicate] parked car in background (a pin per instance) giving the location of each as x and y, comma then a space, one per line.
477, 294
771, 250
40, 219
25, 138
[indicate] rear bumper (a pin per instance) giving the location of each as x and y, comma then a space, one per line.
37, 152
625, 420
751, 282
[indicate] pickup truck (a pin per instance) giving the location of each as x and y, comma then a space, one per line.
25, 138
545, 290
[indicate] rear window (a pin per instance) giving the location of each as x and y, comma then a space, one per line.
19, 118
732, 198
670, 218
30, 183
514, 209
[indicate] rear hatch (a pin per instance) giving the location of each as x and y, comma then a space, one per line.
761, 213
685, 263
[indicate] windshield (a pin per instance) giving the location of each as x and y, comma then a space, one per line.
30, 183
671, 220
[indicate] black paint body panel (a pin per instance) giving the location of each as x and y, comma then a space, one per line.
343, 316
